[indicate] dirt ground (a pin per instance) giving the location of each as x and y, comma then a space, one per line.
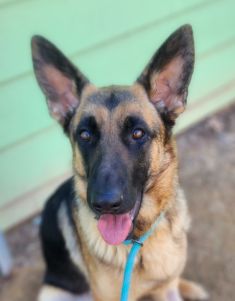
207, 174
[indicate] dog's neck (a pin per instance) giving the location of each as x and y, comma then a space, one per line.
175, 223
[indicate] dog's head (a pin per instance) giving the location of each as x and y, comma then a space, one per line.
120, 135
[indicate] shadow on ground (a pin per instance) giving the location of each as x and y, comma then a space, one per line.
207, 174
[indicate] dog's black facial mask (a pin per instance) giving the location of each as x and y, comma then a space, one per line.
115, 150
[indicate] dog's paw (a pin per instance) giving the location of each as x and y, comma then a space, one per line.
192, 291
50, 293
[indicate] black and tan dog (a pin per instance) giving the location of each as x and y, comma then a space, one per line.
125, 174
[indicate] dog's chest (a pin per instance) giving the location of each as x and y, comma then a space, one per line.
161, 257
158, 262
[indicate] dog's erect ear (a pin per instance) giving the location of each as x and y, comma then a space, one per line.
167, 76
59, 79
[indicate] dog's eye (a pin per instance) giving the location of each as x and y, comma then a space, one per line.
85, 135
138, 134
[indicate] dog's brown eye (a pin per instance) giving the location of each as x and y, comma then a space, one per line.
85, 135
138, 134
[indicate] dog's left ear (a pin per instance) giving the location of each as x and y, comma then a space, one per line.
61, 82
167, 76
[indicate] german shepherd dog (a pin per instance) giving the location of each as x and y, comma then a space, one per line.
125, 175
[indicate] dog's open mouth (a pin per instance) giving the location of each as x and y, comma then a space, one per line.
115, 228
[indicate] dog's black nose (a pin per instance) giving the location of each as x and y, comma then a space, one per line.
107, 202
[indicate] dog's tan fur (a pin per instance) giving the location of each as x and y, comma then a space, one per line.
162, 258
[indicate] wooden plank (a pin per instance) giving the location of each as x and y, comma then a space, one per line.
212, 72
29, 203
36, 161
76, 25
23, 111
7, 3
215, 100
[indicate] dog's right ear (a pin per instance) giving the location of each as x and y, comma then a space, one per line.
167, 76
61, 82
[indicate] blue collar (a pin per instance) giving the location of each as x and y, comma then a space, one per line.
136, 245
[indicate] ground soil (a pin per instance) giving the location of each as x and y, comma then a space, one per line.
207, 174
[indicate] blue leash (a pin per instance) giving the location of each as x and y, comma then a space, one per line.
136, 245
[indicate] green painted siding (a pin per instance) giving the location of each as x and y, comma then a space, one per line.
111, 41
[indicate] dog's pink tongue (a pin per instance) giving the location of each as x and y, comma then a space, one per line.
115, 228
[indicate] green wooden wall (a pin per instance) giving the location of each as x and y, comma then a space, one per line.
111, 41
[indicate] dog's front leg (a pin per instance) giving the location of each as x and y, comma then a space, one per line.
167, 293
97, 296
171, 295
115, 297
101, 298
52, 293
